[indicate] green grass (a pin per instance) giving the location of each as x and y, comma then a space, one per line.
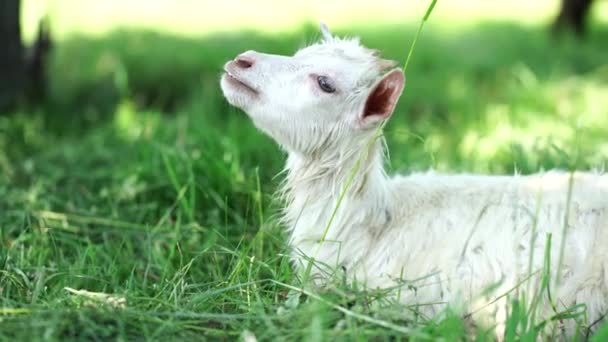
137, 180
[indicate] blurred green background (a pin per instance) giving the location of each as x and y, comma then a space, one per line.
133, 176
487, 83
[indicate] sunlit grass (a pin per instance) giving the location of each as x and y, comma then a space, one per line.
578, 104
197, 18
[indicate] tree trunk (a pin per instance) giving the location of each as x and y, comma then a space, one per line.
12, 55
573, 16
36, 65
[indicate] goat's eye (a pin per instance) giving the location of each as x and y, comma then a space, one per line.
325, 84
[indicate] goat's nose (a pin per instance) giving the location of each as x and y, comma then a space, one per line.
244, 61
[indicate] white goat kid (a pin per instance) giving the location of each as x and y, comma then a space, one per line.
460, 233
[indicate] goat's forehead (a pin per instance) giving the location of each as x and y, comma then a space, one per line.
347, 50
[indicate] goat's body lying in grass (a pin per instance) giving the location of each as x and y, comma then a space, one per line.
450, 237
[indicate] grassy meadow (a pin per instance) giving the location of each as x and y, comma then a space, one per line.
138, 183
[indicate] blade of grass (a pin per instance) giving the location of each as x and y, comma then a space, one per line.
424, 19
356, 315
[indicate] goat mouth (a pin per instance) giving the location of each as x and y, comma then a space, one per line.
237, 82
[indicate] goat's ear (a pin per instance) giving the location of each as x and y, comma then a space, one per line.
325, 33
382, 99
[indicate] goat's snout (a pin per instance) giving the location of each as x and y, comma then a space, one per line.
245, 60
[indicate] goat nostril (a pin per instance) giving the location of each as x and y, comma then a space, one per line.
244, 62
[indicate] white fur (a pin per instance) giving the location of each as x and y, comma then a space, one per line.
451, 236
